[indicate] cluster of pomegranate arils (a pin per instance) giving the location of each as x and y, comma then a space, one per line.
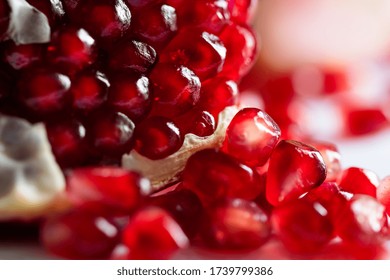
122, 75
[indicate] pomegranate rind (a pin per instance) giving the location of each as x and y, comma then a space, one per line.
167, 171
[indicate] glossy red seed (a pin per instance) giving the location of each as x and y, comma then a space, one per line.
184, 206
302, 226
294, 169
89, 91
176, 95
157, 138
71, 49
213, 176
22, 56
383, 193
68, 142
153, 234
332, 159
363, 121
235, 225
359, 181
196, 121
110, 133
43, 90
363, 222
217, 94
242, 11
251, 136
131, 95
79, 235
241, 50
132, 55
160, 27
107, 190
204, 53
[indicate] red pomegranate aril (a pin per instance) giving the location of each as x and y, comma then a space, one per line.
213, 175
251, 136
157, 137
359, 181
364, 121
383, 193
22, 56
217, 94
107, 190
204, 53
332, 159
241, 50
110, 133
160, 27
79, 235
72, 49
235, 225
153, 234
302, 226
363, 222
132, 55
43, 91
184, 206
198, 122
242, 11
176, 95
294, 169
89, 91
68, 142
130, 94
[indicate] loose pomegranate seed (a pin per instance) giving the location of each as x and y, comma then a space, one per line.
153, 234
89, 91
241, 50
204, 53
22, 56
72, 49
359, 181
131, 95
235, 224
67, 139
213, 176
242, 11
251, 136
294, 168
157, 138
363, 222
160, 27
383, 193
106, 190
363, 121
79, 235
110, 133
132, 55
176, 95
198, 122
302, 226
43, 90
332, 159
184, 206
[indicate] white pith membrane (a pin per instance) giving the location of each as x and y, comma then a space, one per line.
35, 181
166, 171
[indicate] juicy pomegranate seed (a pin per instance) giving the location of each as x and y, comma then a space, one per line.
89, 91
132, 55
110, 133
383, 193
302, 226
363, 221
294, 168
363, 121
235, 224
251, 136
177, 94
204, 53
332, 159
184, 206
241, 50
79, 235
106, 190
130, 94
157, 138
22, 56
359, 181
153, 234
242, 11
68, 142
197, 122
43, 91
72, 49
213, 176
